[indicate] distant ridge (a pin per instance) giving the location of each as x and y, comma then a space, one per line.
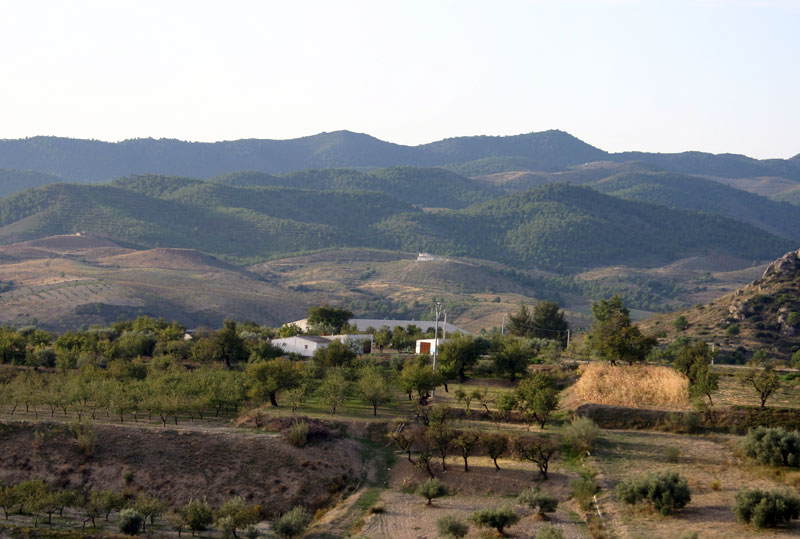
92, 160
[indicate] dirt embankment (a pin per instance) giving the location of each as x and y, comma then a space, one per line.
177, 466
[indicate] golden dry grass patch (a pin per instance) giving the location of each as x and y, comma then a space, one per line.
632, 385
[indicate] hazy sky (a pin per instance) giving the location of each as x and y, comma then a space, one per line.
719, 76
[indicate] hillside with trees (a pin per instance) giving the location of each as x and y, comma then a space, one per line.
557, 227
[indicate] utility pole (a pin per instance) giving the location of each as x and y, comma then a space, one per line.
503, 325
437, 311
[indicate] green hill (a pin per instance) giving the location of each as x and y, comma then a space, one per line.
433, 187
694, 193
244, 224
566, 227
556, 226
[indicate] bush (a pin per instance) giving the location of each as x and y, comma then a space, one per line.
766, 509
672, 453
733, 329
665, 491
773, 446
583, 491
451, 527
432, 488
130, 521
582, 433
298, 434
85, 437
292, 523
549, 532
535, 499
498, 519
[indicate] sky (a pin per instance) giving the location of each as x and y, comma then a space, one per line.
664, 76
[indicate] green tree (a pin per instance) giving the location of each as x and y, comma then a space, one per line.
766, 509
335, 354
538, 450
466, 442
333, 389
548, 322
761, 376
614, 337
512, 358
459, 353
231, 345
431, 489
440, 437
534, 498
665, 491
266, 378
520, 324
417, 375
693, 360
328, 319
292, 523
495, 444
197, 514
537, 397
499, 519
374, 387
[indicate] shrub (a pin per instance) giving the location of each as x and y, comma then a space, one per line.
498, 519
765, 509
549, 532
672, 454
292, 523
733, 329
583, 491
665, 491
582, 433
432, 488
773, 446
130, 521
85, 437
451, 527
298, 434
680, 323
534, 498
715, 485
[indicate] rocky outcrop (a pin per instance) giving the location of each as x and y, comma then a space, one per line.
786, 267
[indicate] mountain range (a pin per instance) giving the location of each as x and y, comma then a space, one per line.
93, 161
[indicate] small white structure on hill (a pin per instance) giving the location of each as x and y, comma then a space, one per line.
427, 257
306, 345
428, 346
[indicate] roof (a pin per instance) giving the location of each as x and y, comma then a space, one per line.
363, 323
310, 338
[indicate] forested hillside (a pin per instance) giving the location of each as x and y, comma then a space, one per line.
557, 226
694, 193
432, 187
566, 227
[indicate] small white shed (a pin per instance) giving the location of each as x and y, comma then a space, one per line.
428, 346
